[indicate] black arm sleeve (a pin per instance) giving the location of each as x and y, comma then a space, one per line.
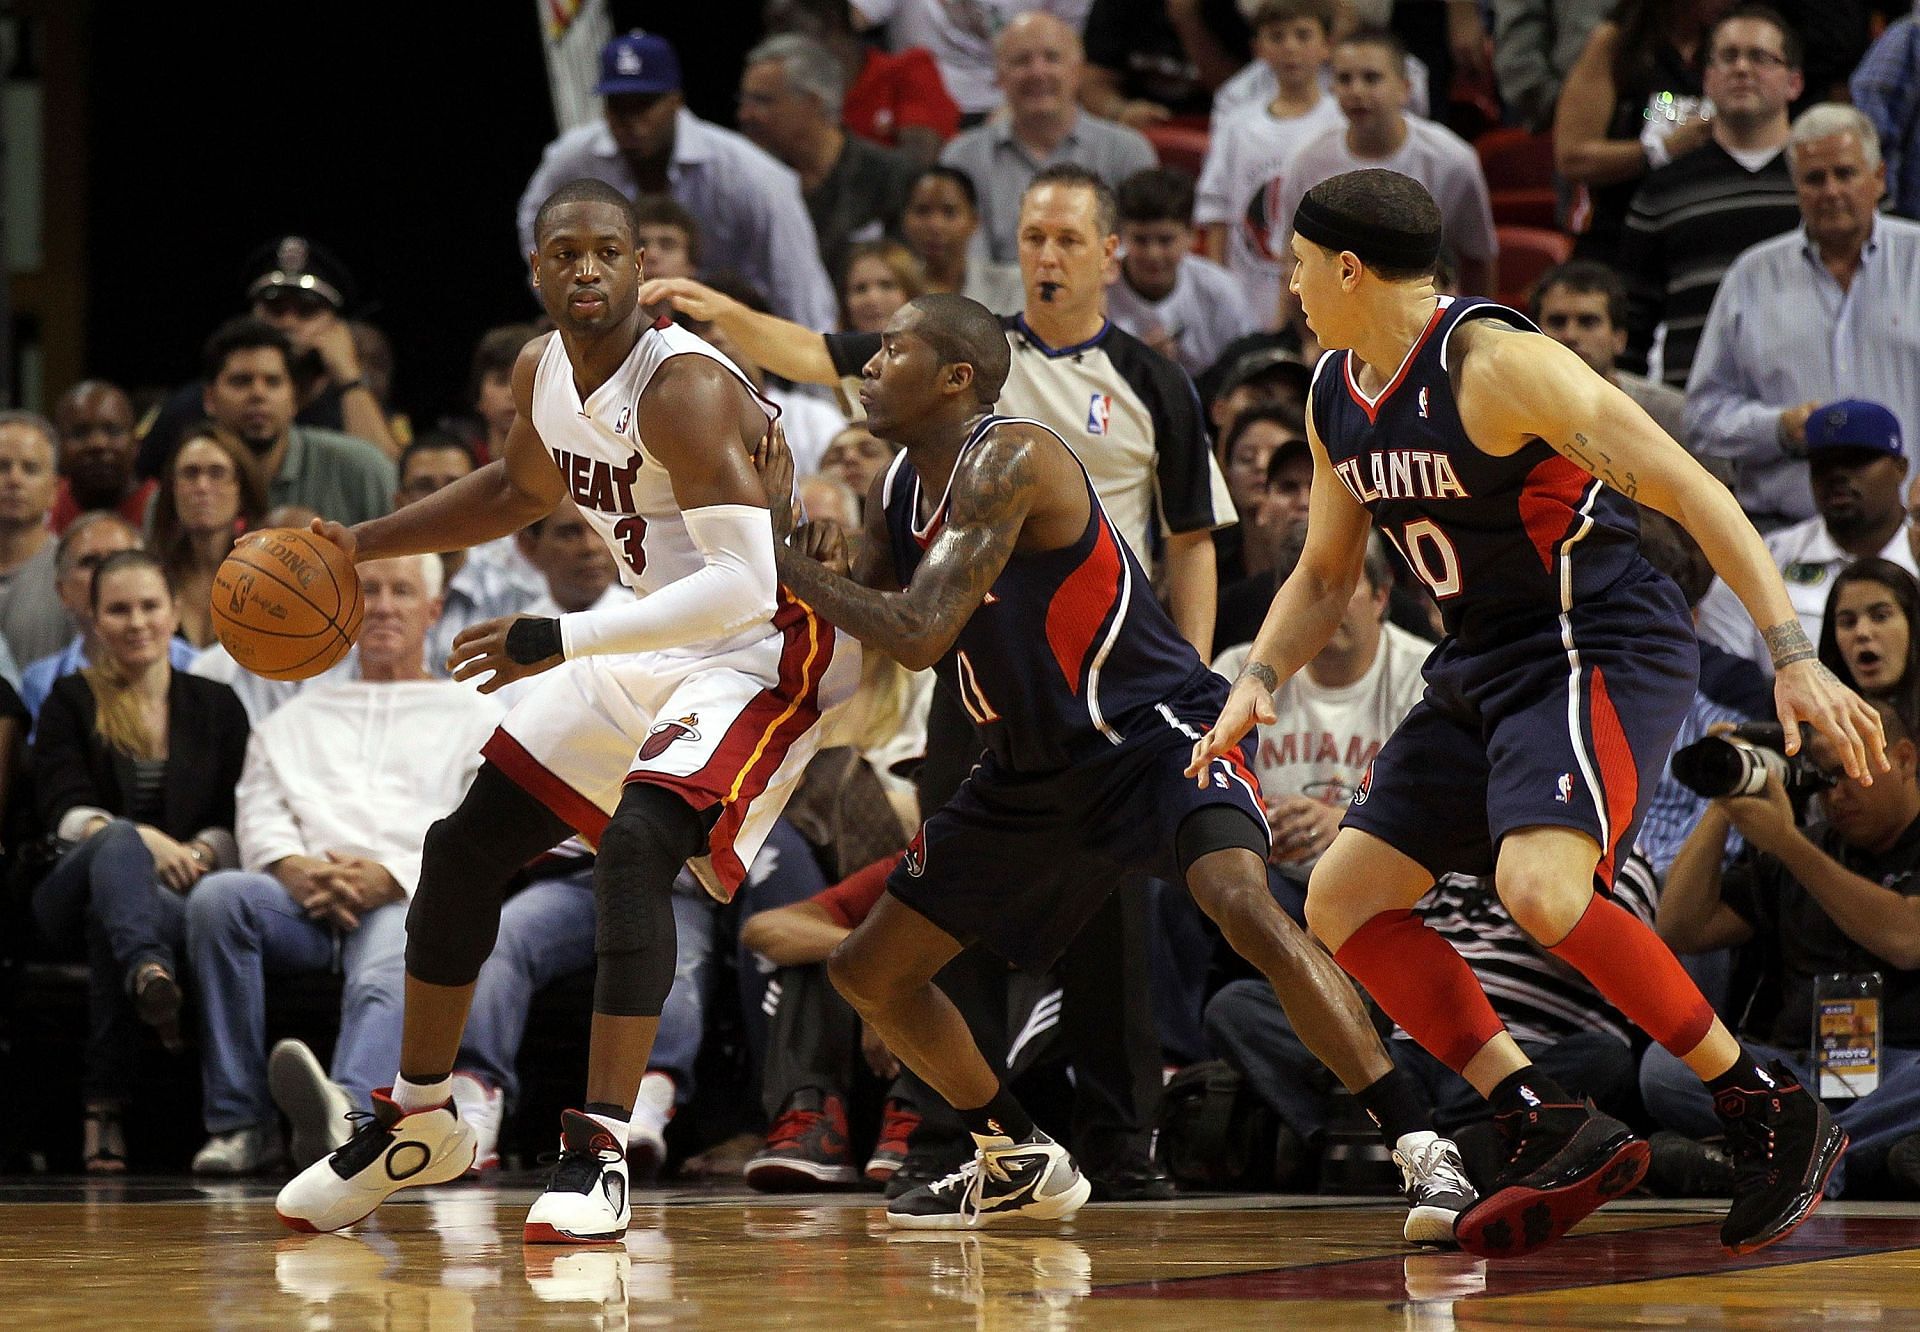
851, 351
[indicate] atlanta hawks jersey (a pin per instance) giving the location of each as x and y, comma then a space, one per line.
623, 490
1502, 543
1069, 652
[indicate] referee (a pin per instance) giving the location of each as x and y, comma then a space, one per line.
1134, 420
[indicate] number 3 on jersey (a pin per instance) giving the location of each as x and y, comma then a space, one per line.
631, 533
1430, 554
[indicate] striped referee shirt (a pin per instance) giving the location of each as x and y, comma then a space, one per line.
1782, 332
1689, 221
1539, 997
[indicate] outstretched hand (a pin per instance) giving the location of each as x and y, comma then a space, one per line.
1806, 691
1249, 705
482, 647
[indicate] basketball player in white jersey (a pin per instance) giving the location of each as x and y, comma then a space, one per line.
674, 731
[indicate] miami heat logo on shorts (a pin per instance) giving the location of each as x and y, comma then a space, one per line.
915, 856
1366, 786
666, 732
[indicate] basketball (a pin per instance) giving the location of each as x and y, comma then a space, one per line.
287, 603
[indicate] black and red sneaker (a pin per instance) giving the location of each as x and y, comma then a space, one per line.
1784, 1147
1563, 1163
897, 1123
806, 1148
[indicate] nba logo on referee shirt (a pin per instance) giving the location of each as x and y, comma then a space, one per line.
1099, 412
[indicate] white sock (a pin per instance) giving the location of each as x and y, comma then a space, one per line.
617, 1127
411, 1096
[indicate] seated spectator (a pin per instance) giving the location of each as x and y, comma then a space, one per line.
86, 545
823, 498
879, 277
1886, 88
856, 457
1257, 435
1263, 376
811, 1043
1183, 306
960, 41
1150, 60
1691, 218
1037, 64
249, 393
334, 801
574, 564
135, 766
259, 695
1372, 94
31, 618
1256, 84
489, 415
895, 99
95, 421
1816, 315
1837, 897
481, 584
1331, 717
1583, 305
668, 235
209, 494
1858, 470
1536, 44
1631, 102
941, 218
752, 218
790, 98
1560, 1021
304, 292
1249, 149
1870, 638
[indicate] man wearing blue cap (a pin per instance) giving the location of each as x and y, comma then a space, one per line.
752, 219
1857, 468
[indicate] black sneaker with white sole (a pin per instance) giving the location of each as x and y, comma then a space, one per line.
1033, 1180
1437, 1187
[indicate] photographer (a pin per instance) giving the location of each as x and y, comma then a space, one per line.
1839, 896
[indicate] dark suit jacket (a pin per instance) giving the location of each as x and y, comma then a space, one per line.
206, 744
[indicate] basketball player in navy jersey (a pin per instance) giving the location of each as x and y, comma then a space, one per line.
988, 557
1503, 469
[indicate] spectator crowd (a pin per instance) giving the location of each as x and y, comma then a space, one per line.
1715, 205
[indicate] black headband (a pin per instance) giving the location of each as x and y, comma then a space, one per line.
1375, 245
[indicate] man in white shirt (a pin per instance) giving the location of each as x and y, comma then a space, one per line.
1333, 715
960, 36
1369, 81
339, 787
1183, 306
1858, 469
752, 218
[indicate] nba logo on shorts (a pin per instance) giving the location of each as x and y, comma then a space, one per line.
1564, 793
915, 856
1099, 412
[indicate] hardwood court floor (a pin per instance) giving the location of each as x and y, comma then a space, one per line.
165, 1254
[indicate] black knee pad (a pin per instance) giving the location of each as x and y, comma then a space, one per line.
649, 838
467, 862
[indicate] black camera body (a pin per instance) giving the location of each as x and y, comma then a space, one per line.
1737, 764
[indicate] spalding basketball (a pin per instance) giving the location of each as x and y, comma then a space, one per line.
287, 603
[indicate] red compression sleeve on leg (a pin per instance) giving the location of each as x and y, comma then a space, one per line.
1423, 985
1638, 974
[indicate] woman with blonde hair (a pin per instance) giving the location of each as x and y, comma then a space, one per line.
210, 494
135, 766
880, 277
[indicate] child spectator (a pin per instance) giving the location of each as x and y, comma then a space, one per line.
1183, 306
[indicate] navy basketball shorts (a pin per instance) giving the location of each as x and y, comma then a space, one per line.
1020, 862
1535, 733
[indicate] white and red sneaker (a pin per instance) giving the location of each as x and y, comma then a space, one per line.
391, 1150
647, 1130
586, 1197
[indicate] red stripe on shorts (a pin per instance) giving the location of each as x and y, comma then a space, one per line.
539, 781
1619, 774
757, 743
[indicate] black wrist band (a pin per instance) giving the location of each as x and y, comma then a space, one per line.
531, 641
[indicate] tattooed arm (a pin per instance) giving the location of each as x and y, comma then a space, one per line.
1515, 387
994, 488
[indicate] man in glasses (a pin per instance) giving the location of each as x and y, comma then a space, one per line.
1858, 468
305, 292
1692, 217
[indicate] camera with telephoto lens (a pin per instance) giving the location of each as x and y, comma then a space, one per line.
1737, 764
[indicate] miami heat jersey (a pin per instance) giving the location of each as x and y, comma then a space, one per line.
1502, 543
622, 490
1069, 652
